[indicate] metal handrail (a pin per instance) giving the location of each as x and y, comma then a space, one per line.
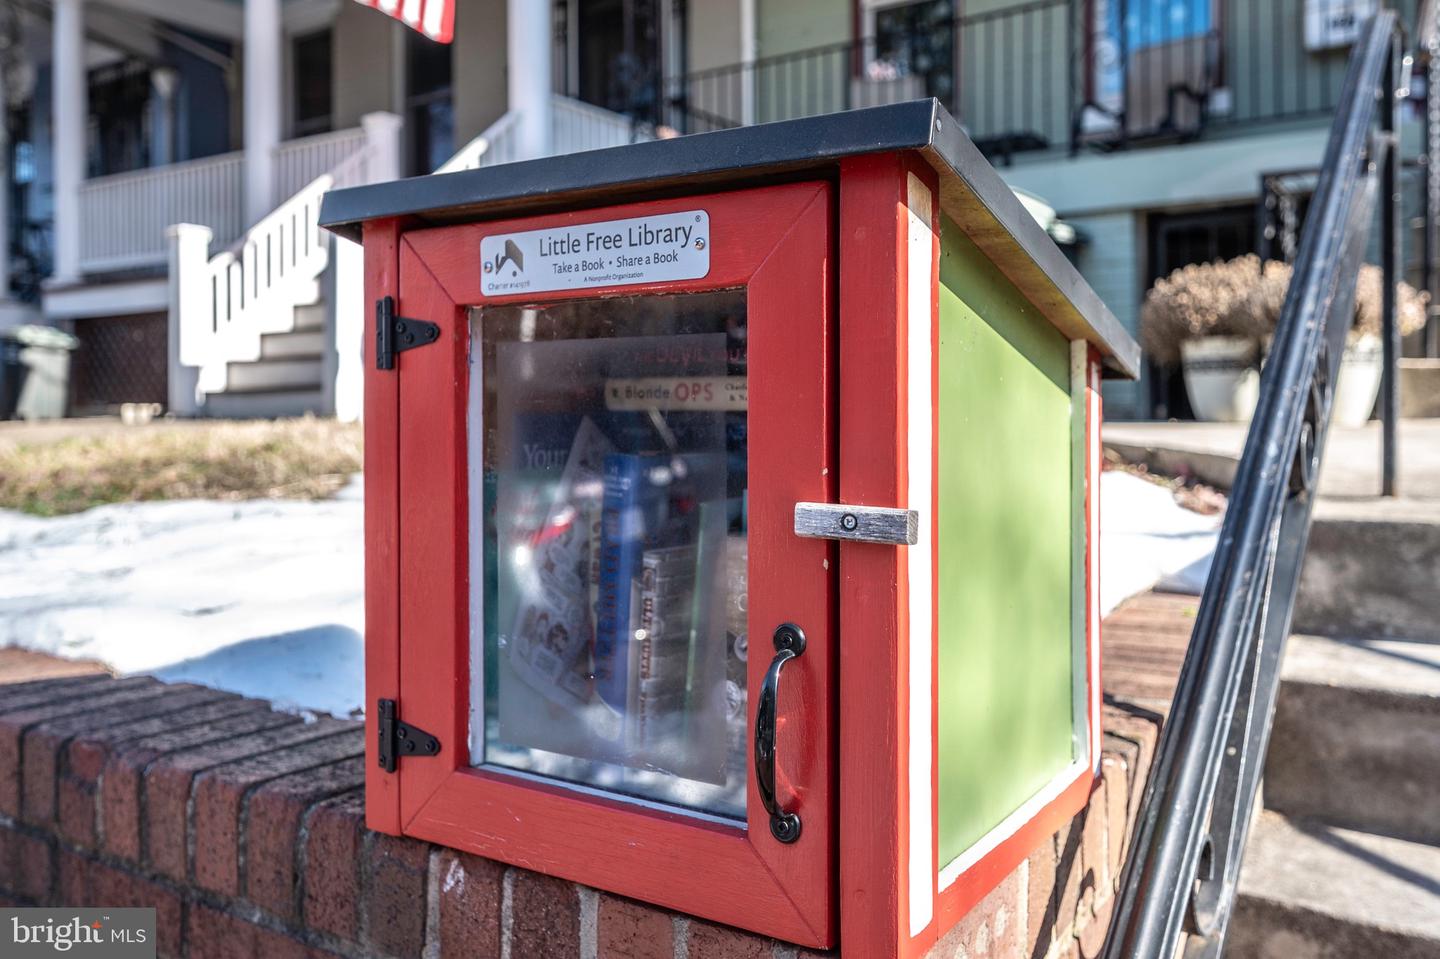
1183, 863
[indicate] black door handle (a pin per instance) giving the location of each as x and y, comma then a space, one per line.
789, 644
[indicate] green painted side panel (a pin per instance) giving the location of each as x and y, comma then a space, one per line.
1005, 522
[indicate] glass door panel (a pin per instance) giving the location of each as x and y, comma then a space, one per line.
609, 461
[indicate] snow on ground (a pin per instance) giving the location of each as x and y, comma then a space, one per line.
1147, 540
265, 598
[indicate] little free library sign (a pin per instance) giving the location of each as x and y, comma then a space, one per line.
732, 527
648, 249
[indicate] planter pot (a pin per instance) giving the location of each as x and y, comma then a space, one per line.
1361, 369
1222, 377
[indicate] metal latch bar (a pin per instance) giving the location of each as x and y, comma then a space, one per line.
861, 524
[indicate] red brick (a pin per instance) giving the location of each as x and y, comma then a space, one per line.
993, 927
77, 811
168, 784
334, 831
46, 745
1091, 937
1069, 874
272, 831
471, 889
121, 792
212, 934
1117, 830
74, 872
44, 692
395, 894
89, 751
707, 941
1040, 898
219, 798
1094, 864
87, 882
635, 930
544, 916
27, 864
15, 722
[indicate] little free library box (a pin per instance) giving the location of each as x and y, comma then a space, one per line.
731, 522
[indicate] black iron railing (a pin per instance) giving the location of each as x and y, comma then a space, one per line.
1183, 862
1055, 74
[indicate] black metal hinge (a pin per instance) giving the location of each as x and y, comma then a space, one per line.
401, 739
396, 334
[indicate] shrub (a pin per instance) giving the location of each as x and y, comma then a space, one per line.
1203, 299
1240, 298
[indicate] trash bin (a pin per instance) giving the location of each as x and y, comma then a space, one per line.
734, 539
34, 372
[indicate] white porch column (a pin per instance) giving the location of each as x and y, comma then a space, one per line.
262, 104
69, 112
4, 199
164, 81
527, 54
189, 294
383, 135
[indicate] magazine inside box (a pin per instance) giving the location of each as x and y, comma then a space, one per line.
608, 482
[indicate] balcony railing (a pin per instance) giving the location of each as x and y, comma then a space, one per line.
1060, 74
124, 216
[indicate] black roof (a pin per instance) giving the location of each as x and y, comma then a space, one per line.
972, 194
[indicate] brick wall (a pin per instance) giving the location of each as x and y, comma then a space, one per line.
244, 828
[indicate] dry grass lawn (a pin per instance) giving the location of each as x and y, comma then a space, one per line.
292, 459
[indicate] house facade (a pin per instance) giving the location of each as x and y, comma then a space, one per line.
164, 161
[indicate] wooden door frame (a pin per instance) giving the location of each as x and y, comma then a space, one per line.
777, 243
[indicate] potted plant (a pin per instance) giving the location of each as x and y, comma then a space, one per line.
1362, 365
1199, 318
1216, 321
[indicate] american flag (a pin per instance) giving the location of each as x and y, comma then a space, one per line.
434, 18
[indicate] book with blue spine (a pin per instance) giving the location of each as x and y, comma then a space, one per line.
636, 492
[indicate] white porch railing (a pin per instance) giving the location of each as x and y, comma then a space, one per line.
297, 162
580, 126
227, 302
124, 216
575, 126
221, 306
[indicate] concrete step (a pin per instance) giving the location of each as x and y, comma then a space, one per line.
1310, 891
310, 316
1372, 569
285, 346
296, 373
1356, 738
264, 406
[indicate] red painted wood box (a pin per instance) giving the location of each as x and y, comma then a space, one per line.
731, 518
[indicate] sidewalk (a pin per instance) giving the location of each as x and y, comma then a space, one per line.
1350, 468
25, 666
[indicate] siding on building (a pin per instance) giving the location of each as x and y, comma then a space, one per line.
1112, 261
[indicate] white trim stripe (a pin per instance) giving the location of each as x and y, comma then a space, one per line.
1011, 824
434, 18
920, 565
